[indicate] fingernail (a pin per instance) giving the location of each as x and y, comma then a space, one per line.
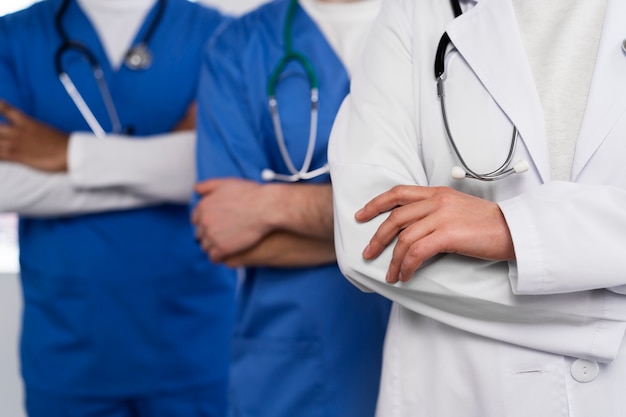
366, 252
358, 213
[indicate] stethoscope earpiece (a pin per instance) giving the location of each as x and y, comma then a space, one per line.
521, 166
268, 175
458, 173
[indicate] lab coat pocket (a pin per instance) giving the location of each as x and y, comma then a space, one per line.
273, 377
533, 384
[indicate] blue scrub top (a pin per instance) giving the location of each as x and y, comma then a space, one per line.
307, 342
124, 302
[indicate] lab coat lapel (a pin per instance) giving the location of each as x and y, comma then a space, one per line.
487, 38
607, 95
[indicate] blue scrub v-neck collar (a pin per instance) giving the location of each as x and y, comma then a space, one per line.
90, 37
304, 26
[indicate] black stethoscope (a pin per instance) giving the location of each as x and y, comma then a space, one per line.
138, 57
463, 171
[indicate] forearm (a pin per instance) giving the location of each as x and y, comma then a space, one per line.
304, 209
160, 167
283, 249
233, 215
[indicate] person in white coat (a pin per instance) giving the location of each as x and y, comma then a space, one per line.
508, 290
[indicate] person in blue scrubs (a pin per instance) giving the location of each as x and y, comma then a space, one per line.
306, 342
124, 315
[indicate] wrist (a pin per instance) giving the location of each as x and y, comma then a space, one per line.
276, 205
75, 151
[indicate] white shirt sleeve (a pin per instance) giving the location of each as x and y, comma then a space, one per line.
111, 174
28, 192
159, 167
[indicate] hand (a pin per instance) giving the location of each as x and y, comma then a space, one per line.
29, 142
188, 122
432, 220
230, 216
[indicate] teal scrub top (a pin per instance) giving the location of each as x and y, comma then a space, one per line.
306, 342
123, 302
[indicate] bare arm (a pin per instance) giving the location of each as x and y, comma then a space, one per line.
234, 215
27, 141
285, 250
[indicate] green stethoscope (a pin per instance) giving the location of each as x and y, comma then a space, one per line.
292, 55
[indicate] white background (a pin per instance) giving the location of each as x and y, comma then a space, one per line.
11, 393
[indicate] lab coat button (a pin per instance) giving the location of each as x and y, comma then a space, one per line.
584, 371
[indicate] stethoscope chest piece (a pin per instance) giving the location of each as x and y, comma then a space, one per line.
138, 57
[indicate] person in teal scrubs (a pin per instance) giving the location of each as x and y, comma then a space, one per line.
124, 315
306, 342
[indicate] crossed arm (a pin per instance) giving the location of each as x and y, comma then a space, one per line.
47, 172
243, 223
430, 220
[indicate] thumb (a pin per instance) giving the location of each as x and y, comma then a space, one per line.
205, 186
10, 113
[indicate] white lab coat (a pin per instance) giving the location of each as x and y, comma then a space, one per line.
490, 339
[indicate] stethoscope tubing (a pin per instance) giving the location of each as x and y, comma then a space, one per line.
503, 170
290, 55
137, 58
75, 95
83, 108
280, 137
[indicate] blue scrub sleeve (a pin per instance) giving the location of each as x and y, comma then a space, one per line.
9, 74
230, 142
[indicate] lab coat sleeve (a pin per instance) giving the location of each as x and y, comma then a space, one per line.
375, 145
160, 167
554, 257
33, 193
372, 146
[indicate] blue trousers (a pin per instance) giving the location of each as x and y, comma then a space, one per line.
198, 401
